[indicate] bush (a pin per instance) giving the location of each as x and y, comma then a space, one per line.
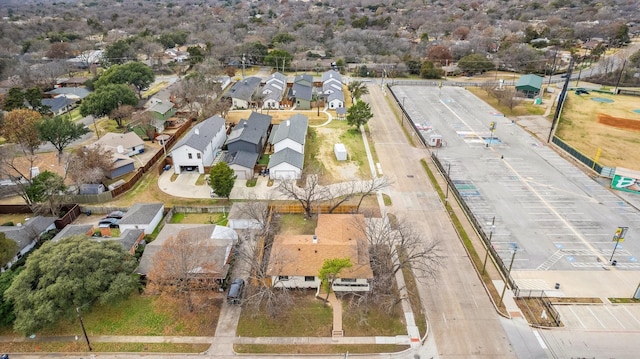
10, 223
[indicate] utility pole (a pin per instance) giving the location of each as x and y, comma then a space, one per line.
620, 76
563, 94
553, 67
243, 60
493, 221
83, 330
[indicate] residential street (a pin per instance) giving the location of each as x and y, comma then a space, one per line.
462, 319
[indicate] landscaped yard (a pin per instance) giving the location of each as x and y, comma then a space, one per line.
291, 224
200, 218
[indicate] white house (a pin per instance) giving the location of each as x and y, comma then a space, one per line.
335, 100
291, 133
145, 216
286, 164
296, 260
200, 146
26, 235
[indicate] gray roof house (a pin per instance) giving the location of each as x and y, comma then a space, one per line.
242, 163
249, 135
214, 244
163, 110
73, 93
242, 91
331, 74
335, 100
301, 93
200, 146
291, 133
145, 216
128, 144
26, 235
58, 105
286, 164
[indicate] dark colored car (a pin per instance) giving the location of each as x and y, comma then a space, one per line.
115, 214
108, 222
582, 92
234, 296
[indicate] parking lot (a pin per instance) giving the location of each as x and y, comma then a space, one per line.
533, 201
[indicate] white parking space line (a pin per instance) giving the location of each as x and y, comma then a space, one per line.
626, 309
577, 317
612, 315
596, 317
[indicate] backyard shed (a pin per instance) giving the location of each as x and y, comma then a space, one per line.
340, 151
529, 85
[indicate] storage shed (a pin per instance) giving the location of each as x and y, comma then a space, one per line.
340, 151
529, 85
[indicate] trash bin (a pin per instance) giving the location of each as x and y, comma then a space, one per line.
557, 286
614, 262
88, 212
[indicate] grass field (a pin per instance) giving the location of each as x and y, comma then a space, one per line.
613, 127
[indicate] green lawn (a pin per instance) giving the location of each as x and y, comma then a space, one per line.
297, 224
264, 159
375, 321
308, 318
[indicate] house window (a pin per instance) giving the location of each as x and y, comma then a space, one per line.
348, 280
309, 278
283, 277
190, 155
198, 155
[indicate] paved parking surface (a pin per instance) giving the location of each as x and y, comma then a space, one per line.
549, 211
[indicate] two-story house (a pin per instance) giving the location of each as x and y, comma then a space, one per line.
200, 146
288, 140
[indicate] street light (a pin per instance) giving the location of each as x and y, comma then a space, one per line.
506, 282
402, 110
486, 256
84, 330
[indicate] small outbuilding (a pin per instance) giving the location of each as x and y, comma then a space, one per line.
529, 85
340, 151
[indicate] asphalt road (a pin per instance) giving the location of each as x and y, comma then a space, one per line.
462, 318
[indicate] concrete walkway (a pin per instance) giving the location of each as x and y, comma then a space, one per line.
336, 307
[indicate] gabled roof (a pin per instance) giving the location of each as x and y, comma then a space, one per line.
217, 243
161, 107
111, 141
278, 78
301, 91
58, 103
287, 155
71, 230
127, 237
295, 128
30, 230
331, 86
331, 74
530, 80
141, 213
335, 96
336, 236
244, 89
79, 92
251, 130
201, 134
243, 158
303, 77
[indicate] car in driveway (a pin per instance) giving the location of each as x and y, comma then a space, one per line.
108, 223
115, 214
234, 296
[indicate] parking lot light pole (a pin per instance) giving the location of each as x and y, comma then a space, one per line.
486, 255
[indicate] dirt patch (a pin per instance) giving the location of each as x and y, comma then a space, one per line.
341, 171
533, 309
617, 122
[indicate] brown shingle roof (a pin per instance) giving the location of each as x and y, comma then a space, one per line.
338, 236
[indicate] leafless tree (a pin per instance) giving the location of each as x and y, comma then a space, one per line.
89, 165
343, 192
308, 196
181, 268
121, 113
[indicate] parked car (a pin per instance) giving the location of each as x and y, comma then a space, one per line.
108, 222
115, 214
234, 296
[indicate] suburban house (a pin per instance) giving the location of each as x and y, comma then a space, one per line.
332, 89
200, 146
242, 163
291, 133
128, 144
144, 216
249, 134
58, 105
162, 110
72, 93
273, 90
301, 93
26, 235
209, 256
286, 164
129, 239
295, 260
241, 93
529, 85
246, 143
247, 215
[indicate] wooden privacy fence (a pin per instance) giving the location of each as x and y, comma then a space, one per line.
323, 208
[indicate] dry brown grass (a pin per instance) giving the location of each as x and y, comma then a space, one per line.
579, 126
281, 115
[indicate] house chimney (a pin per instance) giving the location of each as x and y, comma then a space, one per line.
197, 131
315, 239
288, 123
